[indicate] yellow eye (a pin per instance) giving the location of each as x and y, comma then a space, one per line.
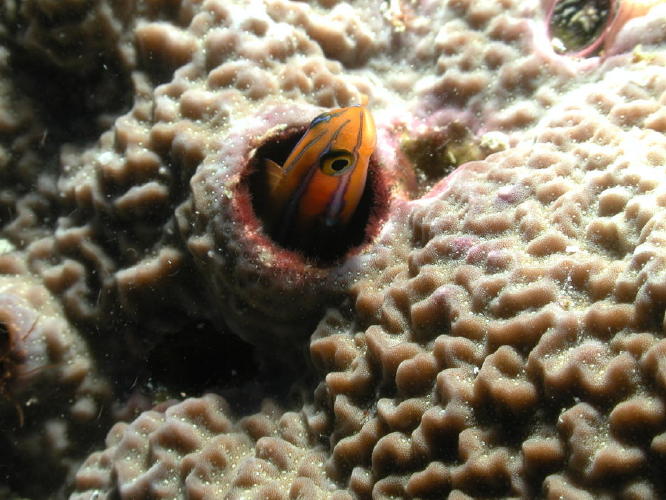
336, 162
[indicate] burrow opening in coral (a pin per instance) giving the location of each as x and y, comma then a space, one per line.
576, 26
199, 358
323, 249
202, 357
437, 152
10, 359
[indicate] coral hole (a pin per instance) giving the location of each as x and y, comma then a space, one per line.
321, 249
5, 353
9, 355
579, 26
4, 341
433, 153
10, 358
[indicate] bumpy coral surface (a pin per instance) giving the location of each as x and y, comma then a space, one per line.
492, 325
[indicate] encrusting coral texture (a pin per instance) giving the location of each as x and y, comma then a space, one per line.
492, 324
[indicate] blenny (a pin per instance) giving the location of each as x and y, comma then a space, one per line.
317, 191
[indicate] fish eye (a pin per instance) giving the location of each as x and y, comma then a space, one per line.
336, 162
577, 24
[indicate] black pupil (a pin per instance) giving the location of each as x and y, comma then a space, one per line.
338, 165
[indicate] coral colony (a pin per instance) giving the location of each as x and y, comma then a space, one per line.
178, 321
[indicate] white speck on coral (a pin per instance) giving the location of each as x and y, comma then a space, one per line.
105, 157
6, 246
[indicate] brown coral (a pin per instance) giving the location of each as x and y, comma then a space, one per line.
194, 448
40, 349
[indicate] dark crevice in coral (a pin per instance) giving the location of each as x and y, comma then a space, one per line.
10, 358
198, 358
19, 473
127, 243
172, 353
74, 107
439, 151
323, 248
5, 344
41, 404
156, 70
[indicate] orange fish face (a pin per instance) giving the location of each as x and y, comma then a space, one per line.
322, 181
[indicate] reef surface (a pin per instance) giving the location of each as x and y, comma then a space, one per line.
492, 325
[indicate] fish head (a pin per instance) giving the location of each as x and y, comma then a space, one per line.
323, 178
